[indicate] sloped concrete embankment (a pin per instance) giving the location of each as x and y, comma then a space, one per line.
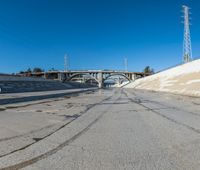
24, 84
183, 79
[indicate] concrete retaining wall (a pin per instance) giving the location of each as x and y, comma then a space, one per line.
16, 78
9, 84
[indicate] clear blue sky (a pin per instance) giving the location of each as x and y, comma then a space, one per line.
96, 34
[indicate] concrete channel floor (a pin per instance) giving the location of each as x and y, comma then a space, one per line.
103, 130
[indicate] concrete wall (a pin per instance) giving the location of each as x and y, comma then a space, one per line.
16, 78
12, 84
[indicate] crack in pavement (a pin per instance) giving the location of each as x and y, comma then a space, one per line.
67, 142
162, 115
155, 102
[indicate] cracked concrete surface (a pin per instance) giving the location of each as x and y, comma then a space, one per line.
107, 129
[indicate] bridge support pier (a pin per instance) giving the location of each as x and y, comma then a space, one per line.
100, 85
60, 76
100, 79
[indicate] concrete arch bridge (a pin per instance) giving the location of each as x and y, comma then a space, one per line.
99, 76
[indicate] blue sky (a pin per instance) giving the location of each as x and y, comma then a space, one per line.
96, 34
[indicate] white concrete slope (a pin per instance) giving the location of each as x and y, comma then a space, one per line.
183, 79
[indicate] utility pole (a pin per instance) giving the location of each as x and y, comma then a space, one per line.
126, 64
187, 47
65, 63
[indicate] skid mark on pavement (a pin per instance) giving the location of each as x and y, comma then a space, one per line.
53, 151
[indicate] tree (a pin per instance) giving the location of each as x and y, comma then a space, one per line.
37, 70
21, 72
148, 69
28, 70
52, 69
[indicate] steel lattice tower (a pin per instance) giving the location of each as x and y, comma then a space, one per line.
126, 64
65, 63
187, 47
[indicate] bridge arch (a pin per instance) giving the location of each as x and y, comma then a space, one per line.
117, 74
78, 74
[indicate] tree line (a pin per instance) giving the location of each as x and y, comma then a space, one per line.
149, 70
35, 70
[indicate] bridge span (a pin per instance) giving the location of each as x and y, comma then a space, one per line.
98, 75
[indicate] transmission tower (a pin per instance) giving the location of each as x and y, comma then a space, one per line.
126, 64
65, 62
187, 47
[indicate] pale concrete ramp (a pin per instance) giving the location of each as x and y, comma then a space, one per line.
183, 79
